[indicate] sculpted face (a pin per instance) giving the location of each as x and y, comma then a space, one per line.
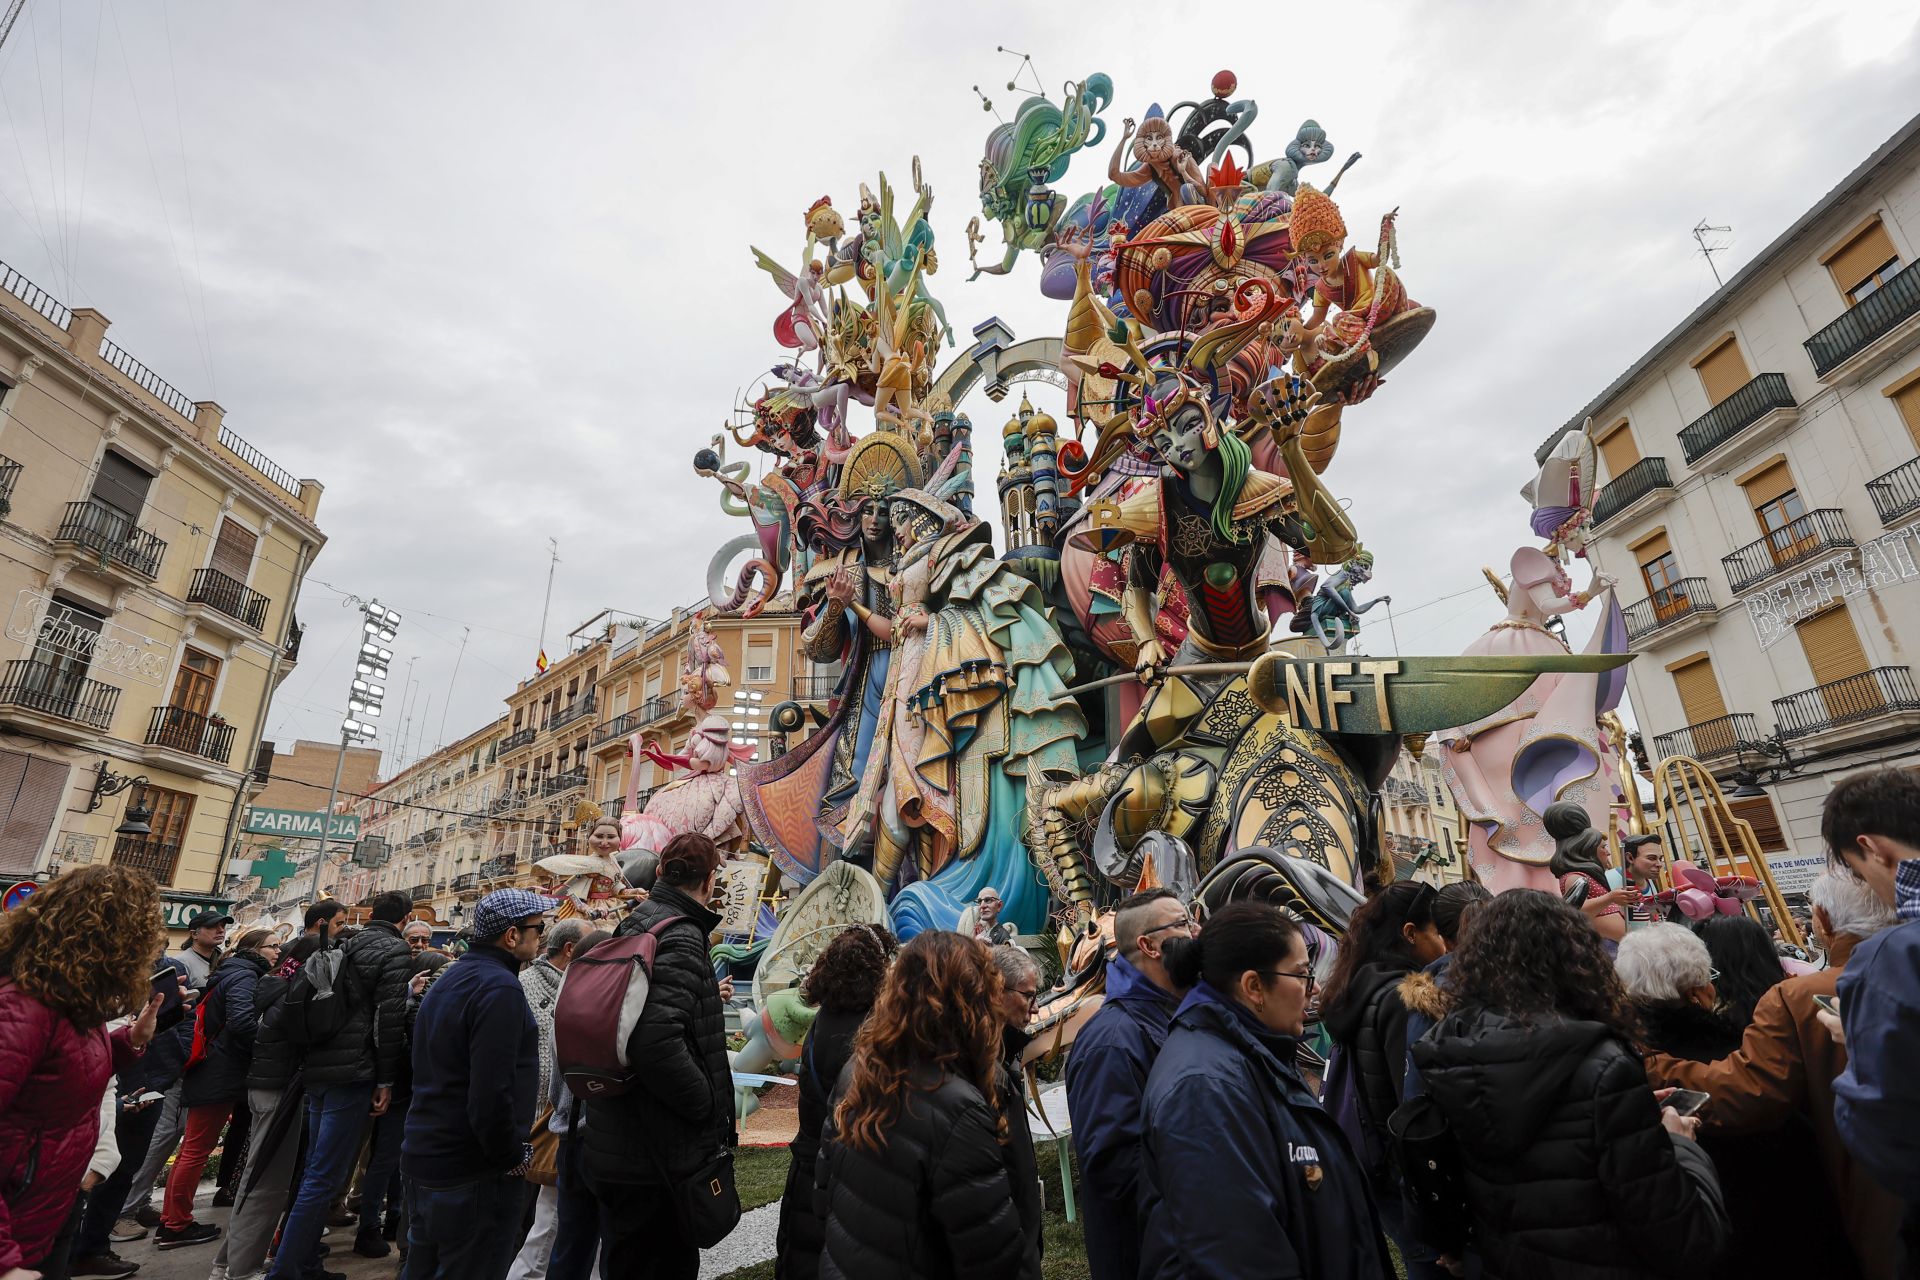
1181, 439
1154, 143
875, 521
1324, 259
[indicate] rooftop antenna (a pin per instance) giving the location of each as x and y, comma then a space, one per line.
1700, 234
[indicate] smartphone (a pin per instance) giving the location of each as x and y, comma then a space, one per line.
148, 1098
1828, 1003
166, 984
1686, 1101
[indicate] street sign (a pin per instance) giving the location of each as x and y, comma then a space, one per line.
179, 909
372, 852
272, 867
1795, 872
301, 823
18, 894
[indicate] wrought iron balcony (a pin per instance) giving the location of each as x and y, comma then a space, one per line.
814, 688
113, 535
613, 808
560, 782
1795, 542
1649, 475
1686, 598
653, 709
519, 738
618, 727
235, 599
1862, 697
291, 654
507, 801
472, 822
1760, 397
465, 881
573, 711
9, 474
1897, 493
1866, 322
178, 729
155, 857
64, 693
1716, 737
494, 868
646, 794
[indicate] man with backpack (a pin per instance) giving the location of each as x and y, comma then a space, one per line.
349, 1014
476, 1066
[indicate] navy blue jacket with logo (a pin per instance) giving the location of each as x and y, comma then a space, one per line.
1243, 1175
476, 1063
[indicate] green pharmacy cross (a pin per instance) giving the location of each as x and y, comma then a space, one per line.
273, 867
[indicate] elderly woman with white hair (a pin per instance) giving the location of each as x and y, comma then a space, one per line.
1780, 1079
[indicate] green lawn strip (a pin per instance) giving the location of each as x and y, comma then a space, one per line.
760, 1174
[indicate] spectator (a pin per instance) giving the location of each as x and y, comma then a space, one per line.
349, 1078
1872, 825
1745, 964
1019, 997
272, 1158
157, 1071
75, 956
418, 935
1107, 1075
106, 1159
842, 984
680, 1110
541, 983
326, 919
986, 925
1570, 1166
1242, 1173
1783, 1071
206, 934
1579, 864
223, 1035
912, 1179
1644, 855
476, 1060
1422, 993
576, 1236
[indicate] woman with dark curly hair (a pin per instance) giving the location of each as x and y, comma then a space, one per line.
842, 985
911, 1176
1571, 1166
75, 956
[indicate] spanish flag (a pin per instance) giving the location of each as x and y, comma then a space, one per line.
540, 663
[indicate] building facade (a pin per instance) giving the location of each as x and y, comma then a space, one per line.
150, 564
271, 872
1422, 821
1758, 500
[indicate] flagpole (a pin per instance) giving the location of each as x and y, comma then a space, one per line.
553, 563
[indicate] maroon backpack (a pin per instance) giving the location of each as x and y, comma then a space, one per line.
600, 1003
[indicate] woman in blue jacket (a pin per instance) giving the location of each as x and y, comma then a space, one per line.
1244, 1176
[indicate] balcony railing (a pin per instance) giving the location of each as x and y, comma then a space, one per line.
465, 881
1760, 397
432, 836
62, 692
1871, 693
34, 296
1792, 543
814, 688
1715, 737
112, 533
147, 380
291, 654
259, 461
570, 713
613, 808
618, 727
1668, 605
507, 801
1866, 322
493, 868
653, 709
646, 794
179, 729
1896, 493
472, 822
9, 473
235, 599
155, 857
519, 738
559, 782
1642, 478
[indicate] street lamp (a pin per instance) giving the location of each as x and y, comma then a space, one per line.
366, 692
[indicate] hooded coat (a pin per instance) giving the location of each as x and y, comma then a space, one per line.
1107, 1073
1568, 1170
1243, 1175
802, 1231
229, 1002
371, 1046
1370, 1022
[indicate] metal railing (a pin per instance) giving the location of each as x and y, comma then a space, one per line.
571, 712
295, 632
1752, 402
235, 599
62, 692
259, 461
646, 794
465, 881
493, 868
653, 709
613, 808
1871, 693
1639, 480
506, 801
1716, 737
34, 296
1897, 493
1685, 598
155, 857
618, 727
567, 781
9, 474
108, 531
519, 738
421, 892
1792, 543
432, 836
1866, 322
147, 380
179, 729
814, 688
472, 822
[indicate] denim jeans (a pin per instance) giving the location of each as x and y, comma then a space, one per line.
576, 1233
336, 1117
467, 1231
383, 1163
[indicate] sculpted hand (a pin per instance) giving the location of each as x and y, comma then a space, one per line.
840, 587
1150, 662
726, 987
1126, 128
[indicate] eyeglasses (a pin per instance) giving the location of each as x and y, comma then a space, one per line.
1713, 975
537, 926
1307, 978
1031, 997
1182, 923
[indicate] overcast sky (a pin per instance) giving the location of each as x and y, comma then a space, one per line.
482, 269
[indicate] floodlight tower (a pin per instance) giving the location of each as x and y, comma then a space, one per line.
365, 694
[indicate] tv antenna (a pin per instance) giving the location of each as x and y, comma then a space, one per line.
1701, 233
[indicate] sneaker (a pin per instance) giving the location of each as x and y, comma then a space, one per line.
193, 1233
126, 1230
368, 1244
147, 1216
341, 1216
223, 1198
103, 1264
219, 1272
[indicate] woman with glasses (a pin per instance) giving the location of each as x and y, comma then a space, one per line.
1242, 1173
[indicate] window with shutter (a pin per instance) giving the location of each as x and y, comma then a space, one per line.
760, 658
233, 551
121, 485
1619, 450
31, 789
1834, 653
1863, 261
1778, 508
1758, 813
1700, 698
193, 683
1906, 401
1722, 369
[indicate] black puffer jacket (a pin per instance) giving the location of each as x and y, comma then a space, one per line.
230, 1019
802, 1231
1569, 1173
370, 1046
1023, 1170
1370, 1022
934, 1203
274, 1059
680, 1110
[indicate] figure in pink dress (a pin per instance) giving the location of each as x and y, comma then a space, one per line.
702, 796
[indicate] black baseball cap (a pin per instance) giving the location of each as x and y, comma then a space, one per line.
208, 919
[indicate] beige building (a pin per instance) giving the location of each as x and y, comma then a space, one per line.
1759, 499
297, 780
150, 562
1422, 821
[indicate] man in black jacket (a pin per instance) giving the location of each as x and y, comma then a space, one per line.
679, 1111
475, 1067
351, 1076
1021, 996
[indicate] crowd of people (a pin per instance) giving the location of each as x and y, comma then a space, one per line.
1469, 1085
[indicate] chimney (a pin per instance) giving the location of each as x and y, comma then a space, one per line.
86, 333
